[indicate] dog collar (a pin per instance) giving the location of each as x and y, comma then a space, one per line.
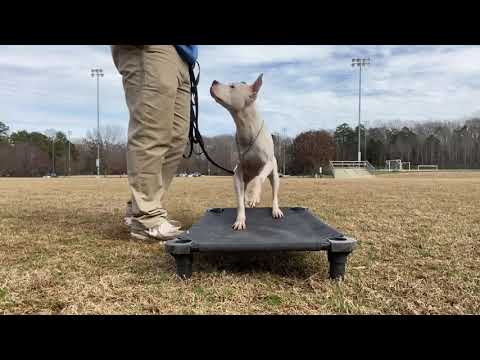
240, 155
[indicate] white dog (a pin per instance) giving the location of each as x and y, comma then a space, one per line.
255, 147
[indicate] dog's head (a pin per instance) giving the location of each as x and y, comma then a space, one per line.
235, 97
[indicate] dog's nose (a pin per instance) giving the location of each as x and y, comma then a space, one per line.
215, 82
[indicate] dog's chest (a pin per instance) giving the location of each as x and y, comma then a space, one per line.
254, 157
251, 167
253, 162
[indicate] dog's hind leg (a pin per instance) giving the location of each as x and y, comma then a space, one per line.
275, 182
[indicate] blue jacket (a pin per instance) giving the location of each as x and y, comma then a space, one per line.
189, 53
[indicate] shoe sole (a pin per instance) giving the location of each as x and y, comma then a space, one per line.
144, 237
128, 221
137, 236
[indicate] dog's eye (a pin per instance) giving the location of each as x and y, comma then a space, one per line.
232, 86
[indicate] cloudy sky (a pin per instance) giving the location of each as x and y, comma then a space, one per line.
305, 87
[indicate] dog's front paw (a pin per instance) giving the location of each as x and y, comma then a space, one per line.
239, 224
277, 213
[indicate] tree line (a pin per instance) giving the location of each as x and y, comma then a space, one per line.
446, 144
450, 145
24, 153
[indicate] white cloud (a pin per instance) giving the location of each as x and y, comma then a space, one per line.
254, 55
51, 86
304, 86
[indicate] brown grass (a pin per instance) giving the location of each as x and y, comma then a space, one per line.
63, 249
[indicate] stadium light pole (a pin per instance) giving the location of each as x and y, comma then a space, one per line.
360, 63
98, 73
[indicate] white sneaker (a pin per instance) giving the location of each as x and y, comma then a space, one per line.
164, 231
129, 216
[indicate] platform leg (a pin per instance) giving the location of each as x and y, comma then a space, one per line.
184, 265
337, 264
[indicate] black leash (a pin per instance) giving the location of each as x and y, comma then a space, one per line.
194, 135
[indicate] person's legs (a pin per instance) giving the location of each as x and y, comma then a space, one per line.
127, 59
181, 125
151, 131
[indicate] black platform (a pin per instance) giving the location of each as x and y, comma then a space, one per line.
298, 230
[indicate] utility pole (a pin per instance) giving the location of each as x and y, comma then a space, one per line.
209, 148
52, 135
53, 151
365, 136
284, 139
69, 154
98, 73
360, 63
65, 162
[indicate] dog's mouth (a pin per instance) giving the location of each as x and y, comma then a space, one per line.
216, 98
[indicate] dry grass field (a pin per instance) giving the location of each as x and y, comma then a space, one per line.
64, 250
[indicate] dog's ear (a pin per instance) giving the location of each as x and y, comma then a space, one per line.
257, 84
255, 89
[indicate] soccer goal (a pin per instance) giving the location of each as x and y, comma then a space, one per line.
393, 165
427, 167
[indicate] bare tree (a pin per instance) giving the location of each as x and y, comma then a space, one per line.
313, 149
112, 149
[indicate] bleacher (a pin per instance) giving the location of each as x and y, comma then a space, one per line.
352, 169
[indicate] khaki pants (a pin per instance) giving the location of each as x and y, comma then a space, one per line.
156, 82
